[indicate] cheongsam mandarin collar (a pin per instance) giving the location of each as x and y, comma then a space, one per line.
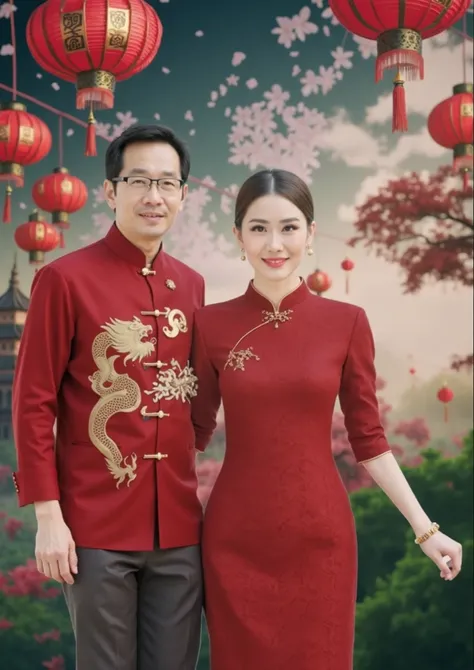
297, 296
128, 252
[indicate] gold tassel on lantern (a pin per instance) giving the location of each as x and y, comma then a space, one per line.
399, 118
7, 205
91, 146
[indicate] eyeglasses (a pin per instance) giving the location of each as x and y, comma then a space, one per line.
163, 184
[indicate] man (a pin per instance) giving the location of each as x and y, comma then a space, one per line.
105, 355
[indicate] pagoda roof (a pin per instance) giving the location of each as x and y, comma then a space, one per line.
13, 299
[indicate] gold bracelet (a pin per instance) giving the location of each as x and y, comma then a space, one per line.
422, 538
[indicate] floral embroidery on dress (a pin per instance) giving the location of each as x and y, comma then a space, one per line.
237, 359
277, 317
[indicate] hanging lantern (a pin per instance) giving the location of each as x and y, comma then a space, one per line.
450, 124
61, 194
399, 26
319, 282
445, 395
37, 237
94, 44
347, 265
412, 371
24, 140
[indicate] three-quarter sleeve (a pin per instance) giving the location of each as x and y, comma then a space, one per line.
42, 361
205, 405
358, 395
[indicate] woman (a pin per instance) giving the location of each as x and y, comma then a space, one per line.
279, 544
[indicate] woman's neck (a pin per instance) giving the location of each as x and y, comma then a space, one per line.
275, 291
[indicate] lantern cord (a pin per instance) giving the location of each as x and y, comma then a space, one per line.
463, 33
60, 140
13, 38
464, 56
83, 124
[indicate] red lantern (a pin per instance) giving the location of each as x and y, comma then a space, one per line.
60, 194
450, 124
399, 26
37, 237
24, 140
319, 282
412, 371
347, 265
94, 44
445, 395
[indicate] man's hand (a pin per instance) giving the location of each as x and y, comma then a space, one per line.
55, 551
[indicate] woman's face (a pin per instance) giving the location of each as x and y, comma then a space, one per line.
274, 236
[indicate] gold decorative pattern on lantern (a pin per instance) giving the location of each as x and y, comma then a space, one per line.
118, 28
4, 133
95, 79
14, 169
26, 135
40, 231
445, 3
40, 187
66, 186
399, 38
467, 109
72, 32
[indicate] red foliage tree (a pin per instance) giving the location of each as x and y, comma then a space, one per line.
12, 526
415, 430
48, 635
5, 624
55, 663
25, 580
5, 473
424, 225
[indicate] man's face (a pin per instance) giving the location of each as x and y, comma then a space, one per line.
145, 213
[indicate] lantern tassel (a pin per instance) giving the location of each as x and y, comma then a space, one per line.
62, 244
347, 284
7, 205
465, 180
446, 414
91, 147
399, 118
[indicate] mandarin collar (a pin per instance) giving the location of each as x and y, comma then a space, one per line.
290, 300
128, 252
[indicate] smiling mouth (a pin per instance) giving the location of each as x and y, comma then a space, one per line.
152, 217
274, 262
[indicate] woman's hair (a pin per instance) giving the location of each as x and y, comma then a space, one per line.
274, 182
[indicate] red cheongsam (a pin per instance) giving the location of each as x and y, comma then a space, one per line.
279, 544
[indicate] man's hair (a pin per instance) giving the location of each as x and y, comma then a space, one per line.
150, 133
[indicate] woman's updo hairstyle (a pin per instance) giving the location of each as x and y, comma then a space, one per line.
274, 182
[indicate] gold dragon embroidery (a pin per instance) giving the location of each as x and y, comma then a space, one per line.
237, 359
118, 392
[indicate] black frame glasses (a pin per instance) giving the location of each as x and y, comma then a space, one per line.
157, 180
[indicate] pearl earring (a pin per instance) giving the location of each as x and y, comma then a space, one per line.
243, 257
309, 250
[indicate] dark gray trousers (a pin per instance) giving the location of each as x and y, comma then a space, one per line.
137, 610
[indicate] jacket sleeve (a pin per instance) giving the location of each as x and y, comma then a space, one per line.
42, 361
358, 395
205, 405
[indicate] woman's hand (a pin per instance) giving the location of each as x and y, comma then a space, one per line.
446, 553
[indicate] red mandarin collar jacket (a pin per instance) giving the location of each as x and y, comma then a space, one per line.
105, 351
